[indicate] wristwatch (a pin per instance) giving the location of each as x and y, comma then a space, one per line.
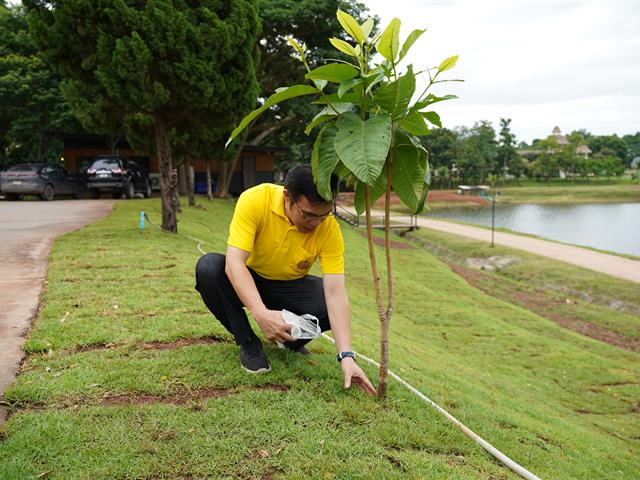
342, 355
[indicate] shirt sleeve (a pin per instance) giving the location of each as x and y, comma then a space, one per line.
332, 250
243, 227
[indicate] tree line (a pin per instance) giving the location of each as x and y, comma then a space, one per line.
473, 155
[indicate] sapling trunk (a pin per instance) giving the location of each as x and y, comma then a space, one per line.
167, 184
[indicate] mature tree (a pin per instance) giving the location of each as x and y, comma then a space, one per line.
510, 162
441, 145
611, 142
633, 147
476, 152
33, 112
175, 61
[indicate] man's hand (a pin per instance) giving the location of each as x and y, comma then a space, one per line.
273, 326
353, 373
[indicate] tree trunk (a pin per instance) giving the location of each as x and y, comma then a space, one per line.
382, 388
167, 185
190, 180
209, 192
182, 177
222, 189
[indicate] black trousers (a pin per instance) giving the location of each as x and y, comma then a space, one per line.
304, 295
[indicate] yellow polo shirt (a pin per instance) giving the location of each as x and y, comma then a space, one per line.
278, 250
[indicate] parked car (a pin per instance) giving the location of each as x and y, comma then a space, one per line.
39, 179
117, 175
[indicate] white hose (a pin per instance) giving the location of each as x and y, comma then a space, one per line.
520, 470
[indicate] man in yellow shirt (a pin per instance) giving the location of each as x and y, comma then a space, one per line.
275, 236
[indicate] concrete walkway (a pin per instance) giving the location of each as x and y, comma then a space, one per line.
27, 231
613, 265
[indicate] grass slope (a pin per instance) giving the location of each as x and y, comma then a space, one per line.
563, 405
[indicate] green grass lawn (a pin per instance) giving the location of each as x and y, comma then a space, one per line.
570, 193
104, 393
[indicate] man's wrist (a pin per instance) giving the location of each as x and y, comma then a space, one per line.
344, 355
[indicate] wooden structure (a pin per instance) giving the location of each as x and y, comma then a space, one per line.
257, 164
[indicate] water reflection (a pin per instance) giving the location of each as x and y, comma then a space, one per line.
614, 227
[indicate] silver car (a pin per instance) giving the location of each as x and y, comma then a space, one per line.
39, 179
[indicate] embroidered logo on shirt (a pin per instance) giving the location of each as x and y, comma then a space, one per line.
304, 265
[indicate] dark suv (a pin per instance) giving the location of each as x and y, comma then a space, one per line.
117, 175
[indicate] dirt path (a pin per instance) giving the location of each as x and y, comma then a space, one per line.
615, 266
27, 231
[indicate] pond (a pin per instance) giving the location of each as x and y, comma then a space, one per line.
614, 227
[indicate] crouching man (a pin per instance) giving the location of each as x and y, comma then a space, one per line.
275, 236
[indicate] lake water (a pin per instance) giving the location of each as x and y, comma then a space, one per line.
614, 227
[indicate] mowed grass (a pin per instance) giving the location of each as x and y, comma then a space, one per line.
567, 192
100, 397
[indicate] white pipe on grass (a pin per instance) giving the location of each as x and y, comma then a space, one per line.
519, 469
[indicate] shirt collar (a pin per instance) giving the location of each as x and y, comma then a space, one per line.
277, 203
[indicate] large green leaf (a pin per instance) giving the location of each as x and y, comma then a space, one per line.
344, 47
348, 85
324, 160
408, 175
366, 27
351, 26
279, 96
414, 123
411, 39
425, 186
377, 190
326, 113
394, 97
433, 117
363, 145
333, 72
390, 41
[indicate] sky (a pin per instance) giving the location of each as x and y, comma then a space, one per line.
541, 63
571, 64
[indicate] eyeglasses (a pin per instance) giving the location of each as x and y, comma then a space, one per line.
311, 216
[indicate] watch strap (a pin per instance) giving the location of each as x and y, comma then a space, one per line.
342, 355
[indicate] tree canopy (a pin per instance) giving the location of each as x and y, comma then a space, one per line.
179, 63
32, 108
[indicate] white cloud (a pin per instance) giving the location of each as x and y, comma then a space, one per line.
575, 64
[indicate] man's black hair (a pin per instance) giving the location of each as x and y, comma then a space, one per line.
299, 182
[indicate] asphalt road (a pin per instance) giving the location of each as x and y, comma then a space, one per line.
27, 231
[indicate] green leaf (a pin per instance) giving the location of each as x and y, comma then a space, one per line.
390, 41
342, 171
350, 26
344, 47
296, 46
425, 186
334, 98
324, 160
448, 63
333, 72
415, 124
348, 85
413, 36
408, 175
377, 190
433, 117
366, 27
327, 113
279, 96
363, 145
432, 99
394, 97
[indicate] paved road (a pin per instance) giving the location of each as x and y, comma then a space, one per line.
613, 265
27, 231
